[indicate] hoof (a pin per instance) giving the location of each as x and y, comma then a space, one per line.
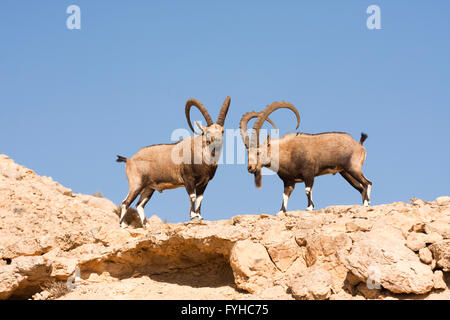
310, 209
123, 225
197, 219
280, 214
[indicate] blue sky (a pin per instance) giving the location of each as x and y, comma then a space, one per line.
70, 100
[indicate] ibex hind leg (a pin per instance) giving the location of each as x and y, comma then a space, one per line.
132, 195
146, 194
369, 188
358, 176
308, 190
353, 182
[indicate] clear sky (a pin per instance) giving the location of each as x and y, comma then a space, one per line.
70, 100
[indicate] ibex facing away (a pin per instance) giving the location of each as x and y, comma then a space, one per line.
189, 163
300, 157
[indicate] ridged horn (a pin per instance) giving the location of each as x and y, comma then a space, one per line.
269, 109
223, 111
194, 102
244, 122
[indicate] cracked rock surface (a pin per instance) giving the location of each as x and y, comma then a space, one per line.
55, 244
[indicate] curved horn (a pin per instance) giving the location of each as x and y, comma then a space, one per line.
194, 102
223, 111
269, 109
243, 125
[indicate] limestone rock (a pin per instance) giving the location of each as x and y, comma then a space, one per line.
313, 284
325, 250
438, 280
281, 246
368, 293
154, 220
359, 225
352, 279
322, 247
433, 237
23, 276
441, 253
252, 267
443, 201
273, 293
390, 263
97, 202
425, 255
440, 226
416, 241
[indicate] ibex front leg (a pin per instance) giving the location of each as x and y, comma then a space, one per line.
198, 202
288, 188
192, 198
308, 191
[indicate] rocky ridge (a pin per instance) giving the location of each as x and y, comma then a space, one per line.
57, 244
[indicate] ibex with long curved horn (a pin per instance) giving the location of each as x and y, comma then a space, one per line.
191, 162
300, 157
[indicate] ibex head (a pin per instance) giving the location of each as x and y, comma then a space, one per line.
259, 155
212, 132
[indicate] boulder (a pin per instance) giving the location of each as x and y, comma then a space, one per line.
282, 248
416, 241
325, 250
388, 262
443, 201
441, 253
425, 255
438, 280
252, 268
313, 284
440, 226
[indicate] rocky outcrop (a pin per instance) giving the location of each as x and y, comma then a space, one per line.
55, 243
390, 263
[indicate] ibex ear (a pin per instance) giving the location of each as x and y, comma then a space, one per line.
202, 128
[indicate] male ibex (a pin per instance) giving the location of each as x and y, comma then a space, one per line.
299, 157
191, 162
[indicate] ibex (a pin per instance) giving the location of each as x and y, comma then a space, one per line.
189, 163
300, 157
